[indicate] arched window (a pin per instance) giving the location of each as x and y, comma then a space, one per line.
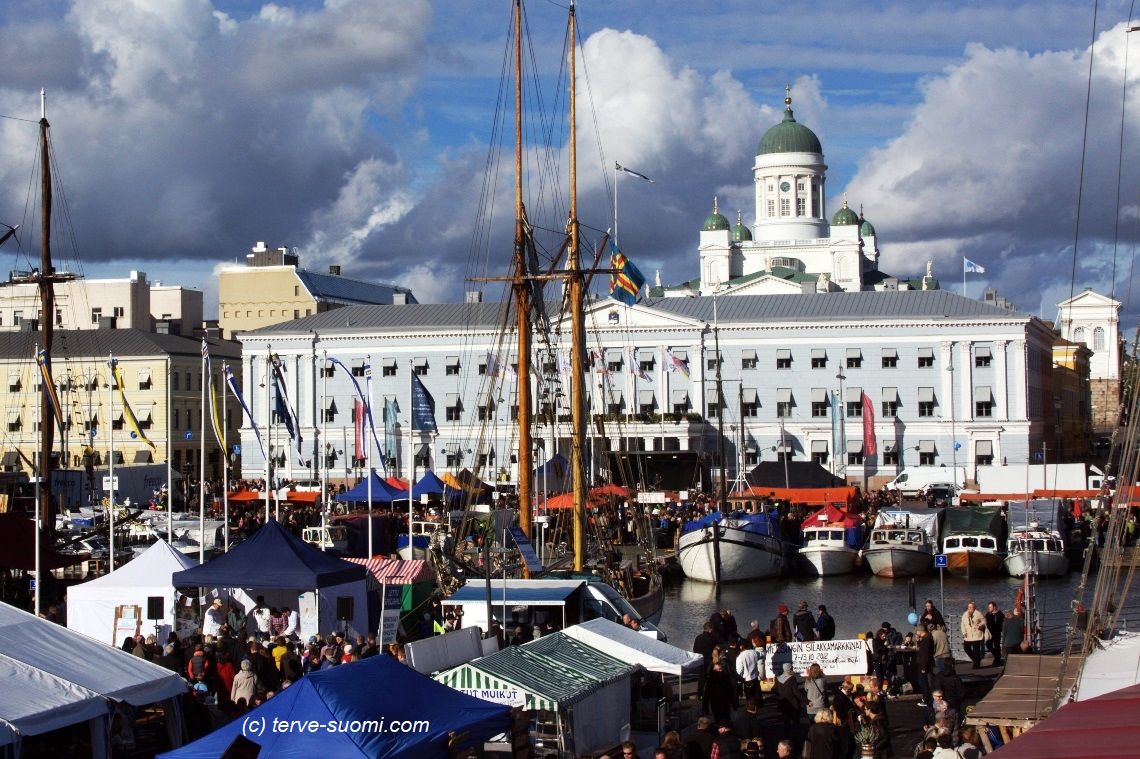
1079, 336
1098, 339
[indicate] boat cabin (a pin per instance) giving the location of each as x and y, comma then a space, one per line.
526, 603
824, 536
897, 536
970, 543
327, 538
1038, 543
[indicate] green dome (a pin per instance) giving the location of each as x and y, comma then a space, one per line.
741, 233
866, 229
715, 221
844, 217
789, 136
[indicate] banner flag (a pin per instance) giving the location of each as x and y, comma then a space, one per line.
48, 386
870, 445
423, 407
129, 415
231, 383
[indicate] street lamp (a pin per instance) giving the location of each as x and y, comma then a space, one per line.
841, 410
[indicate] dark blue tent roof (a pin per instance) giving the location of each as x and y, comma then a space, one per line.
429, 484
382, 492
373, 689
272, 558
554, 475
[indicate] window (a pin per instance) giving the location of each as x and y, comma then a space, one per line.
486, 412
855, 457
296, 313
712, 403
983, 401
854, 409
713, 362
799, 186
784, 402
771, 208
482, 368
58, 317
452, 368
982, 356
117, 311
820, 457
891, 408
751, 457
420, 367
818, 358
801, 206
17, 317
328, 369
173, 420
647, 403
1079, 336
749, 402
616, 406
984, 453
13, 383
771, 187
329, 413
785, 206
748, 360
388, 370
854, 358
680, 402
925, 358
614, 365
890, 358
454, 408
174, 381
14, 422
925, 459
783, 359
819, 404
358, 367
890, 457
1098, 339
926, 401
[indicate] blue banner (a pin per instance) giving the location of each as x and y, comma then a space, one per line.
526, 549
423, 407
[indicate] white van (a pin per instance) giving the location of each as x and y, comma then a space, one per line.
910, 482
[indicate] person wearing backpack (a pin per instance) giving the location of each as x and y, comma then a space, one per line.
198, 668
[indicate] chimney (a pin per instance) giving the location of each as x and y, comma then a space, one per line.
334, 270
399, 298
473, 296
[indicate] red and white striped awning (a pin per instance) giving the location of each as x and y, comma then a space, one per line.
397, 571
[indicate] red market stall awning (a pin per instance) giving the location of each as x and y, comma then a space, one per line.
810, 496
298, 496
245, 495
829, 515
1104, 727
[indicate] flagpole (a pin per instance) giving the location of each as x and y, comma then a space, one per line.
963, 276
202, 463
169, 446
322, 450
225, 453
411, 454
39, 523
111, 472
616, 172
269, 430
368, 449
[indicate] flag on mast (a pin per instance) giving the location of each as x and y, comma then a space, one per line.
283, 408
358, 429
969, 266
626, 280
231, 383
637, 174
675, 364
367, 414
128, 414
423, 407
870, 444
48, 385
215, 416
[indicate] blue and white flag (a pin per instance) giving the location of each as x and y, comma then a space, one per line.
423, 407
231, 383
969, 266
284, 408
637, 174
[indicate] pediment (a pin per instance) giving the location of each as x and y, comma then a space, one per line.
609, 313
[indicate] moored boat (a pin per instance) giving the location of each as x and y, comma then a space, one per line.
971, 541
902, 543
718, 548
831, 540
1036, 551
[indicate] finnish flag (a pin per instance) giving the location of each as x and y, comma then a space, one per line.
970, 266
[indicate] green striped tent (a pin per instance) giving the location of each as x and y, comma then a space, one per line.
553, 672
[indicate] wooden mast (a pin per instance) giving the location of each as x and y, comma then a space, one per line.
578, 335
521, 286
47, 319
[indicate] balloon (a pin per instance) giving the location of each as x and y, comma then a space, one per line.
912, 618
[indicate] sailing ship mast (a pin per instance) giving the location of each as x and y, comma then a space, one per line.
47, 318
521, 286
578, 334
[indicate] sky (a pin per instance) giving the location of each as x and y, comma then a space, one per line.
377, 135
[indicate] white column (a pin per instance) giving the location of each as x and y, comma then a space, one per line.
946, 391
1001, 394
1018, 402
964, 368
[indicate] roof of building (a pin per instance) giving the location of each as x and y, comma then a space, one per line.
715, 221
845, 216
789, 307
866, 229
338, 288
789, 136
740, 231
117, 342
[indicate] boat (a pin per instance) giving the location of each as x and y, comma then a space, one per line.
971, 541
831, 541
1036, 551
902, 543
731, 548
327, 538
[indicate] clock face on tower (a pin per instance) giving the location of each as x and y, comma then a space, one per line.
785, 186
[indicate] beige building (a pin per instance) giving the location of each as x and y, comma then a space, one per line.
86, 304
1073, 437
162, 375
272, 288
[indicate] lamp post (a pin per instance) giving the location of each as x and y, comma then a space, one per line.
722, 492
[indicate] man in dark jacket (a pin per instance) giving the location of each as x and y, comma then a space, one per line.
701, 741
995, 620
824, 624
726, 745
924, 663
781, 628
705, 643
803, 623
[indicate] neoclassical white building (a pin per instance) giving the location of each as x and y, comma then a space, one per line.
1093, 320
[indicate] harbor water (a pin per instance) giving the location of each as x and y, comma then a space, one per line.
862, 602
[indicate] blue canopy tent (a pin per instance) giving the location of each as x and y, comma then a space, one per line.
429, 484
354, 715
287, 571
382, 492
553, 476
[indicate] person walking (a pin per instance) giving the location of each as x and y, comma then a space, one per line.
931, 615
973, 628
924, 664
803, 623
815, 688
245, 684
824, 624
995, 620
748, 669
1013, 632
781, 628
790, 702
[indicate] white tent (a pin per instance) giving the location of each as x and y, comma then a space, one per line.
45, 665
633, 647
91, 606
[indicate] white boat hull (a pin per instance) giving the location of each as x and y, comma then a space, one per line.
824, 561
743, 555
898, 561
1041, 563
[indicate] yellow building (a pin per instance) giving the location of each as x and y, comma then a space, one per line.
162, 378
1072, 399
272, 288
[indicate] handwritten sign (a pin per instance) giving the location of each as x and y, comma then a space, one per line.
835, 657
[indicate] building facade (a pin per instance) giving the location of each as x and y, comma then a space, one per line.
1093, 320
272, 288
163, 383
88, 304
